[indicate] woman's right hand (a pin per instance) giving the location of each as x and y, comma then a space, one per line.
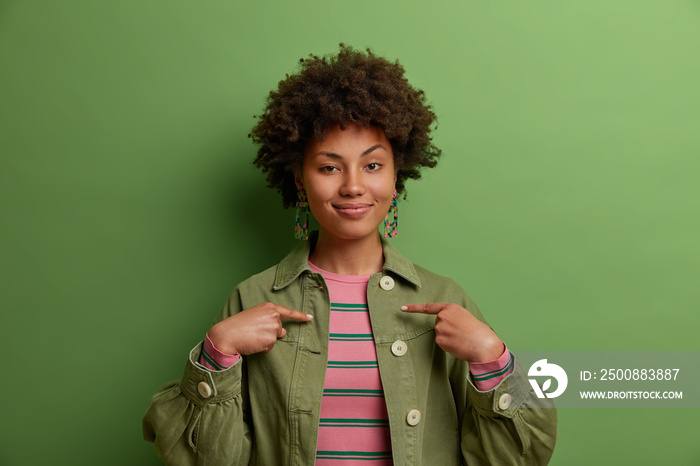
253, 330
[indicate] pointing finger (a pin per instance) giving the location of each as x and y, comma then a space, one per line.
291, 314
426, 308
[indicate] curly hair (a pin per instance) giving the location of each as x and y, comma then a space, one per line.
350, 88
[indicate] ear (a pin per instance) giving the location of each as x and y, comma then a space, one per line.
298, 180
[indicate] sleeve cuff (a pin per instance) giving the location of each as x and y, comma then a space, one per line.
202, 385
487, 375
215, 360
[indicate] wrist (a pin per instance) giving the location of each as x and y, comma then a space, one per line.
213, 359
490, 351
217, 339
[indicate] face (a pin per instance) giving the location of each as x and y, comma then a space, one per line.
349, 180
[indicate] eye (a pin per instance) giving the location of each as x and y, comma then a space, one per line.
374, 166
328, 168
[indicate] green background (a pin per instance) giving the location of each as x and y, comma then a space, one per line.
566, 202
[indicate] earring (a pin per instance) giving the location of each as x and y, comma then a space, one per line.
391, 228
301, 230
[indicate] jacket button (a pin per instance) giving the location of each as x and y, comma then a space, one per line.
504, 401
387, 283
399, 348
204, 389
413, 417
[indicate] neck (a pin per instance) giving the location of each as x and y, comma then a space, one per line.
348, 257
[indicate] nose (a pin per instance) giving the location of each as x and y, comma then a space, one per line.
353, 184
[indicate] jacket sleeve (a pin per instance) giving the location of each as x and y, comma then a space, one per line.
202, 419
507, 424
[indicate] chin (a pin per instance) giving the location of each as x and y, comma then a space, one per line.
352, 233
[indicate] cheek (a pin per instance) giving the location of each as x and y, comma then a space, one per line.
316, 206
318, 194
315, 191
385, 189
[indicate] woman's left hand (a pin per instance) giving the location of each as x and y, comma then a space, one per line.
459, 333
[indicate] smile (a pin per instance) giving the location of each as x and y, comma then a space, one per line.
353, 210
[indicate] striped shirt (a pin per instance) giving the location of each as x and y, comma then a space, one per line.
354, 426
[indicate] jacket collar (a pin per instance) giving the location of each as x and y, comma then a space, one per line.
297, 262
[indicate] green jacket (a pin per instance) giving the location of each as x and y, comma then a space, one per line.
265, 409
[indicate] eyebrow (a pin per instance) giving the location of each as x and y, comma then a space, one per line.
333, 155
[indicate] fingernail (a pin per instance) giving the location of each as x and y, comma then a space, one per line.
309, 316
404, 308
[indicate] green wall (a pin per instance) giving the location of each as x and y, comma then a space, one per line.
566, 202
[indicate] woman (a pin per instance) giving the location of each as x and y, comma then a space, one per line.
346, 352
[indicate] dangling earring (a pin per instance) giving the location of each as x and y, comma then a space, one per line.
391, 228
301, 230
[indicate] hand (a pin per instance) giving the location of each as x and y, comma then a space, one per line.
459, 333
254, 330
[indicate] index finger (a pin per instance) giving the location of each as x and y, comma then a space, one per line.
425, 308
292, 314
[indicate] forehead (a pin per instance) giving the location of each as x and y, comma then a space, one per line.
354, 140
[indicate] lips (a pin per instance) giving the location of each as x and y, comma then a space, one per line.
352, 210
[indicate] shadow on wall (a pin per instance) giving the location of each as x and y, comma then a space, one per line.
262, 226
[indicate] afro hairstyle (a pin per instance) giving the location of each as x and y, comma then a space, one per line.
350, 88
